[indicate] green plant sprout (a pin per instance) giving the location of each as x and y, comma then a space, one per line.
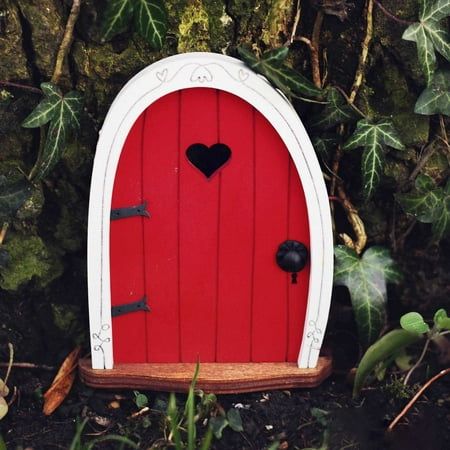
183, 426
387, 348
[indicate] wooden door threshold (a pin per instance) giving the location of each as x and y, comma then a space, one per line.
220, 378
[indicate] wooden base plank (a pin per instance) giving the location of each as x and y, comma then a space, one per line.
220, 378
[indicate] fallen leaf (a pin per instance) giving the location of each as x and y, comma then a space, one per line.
4, 391
3, 408
62, 383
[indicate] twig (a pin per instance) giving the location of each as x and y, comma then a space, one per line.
315, 41
26, 365
296, 21
443, 131
441, 374
14, 396
364, 52
20, 86
429, 150
3, 232
418, 362
10, 362
392, 16
66, 41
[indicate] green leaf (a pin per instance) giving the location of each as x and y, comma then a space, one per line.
374, 138
366, 278
218, 424
435, 99
172, 413
336, 111
325, 144
413, 322
283, 77
46, 109
425, 49
141, 400
234, 420
150, 19
429, 204
64, 120
441, 320
276, 56
436, 10
430, 34
386, 347
12, 196
117, 17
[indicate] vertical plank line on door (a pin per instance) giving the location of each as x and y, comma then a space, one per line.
219, 194
179, 97
288, 236
254, 235
143, 230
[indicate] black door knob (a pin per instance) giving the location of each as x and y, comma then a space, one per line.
292, 257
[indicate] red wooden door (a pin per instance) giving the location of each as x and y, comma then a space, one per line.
205, 258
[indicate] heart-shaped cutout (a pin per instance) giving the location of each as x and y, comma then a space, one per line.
208, 159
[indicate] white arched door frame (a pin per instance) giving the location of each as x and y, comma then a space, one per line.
231, 75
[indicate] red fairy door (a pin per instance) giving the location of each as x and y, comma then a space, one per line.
204, 194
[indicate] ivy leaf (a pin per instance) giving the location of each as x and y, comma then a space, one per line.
336, 111
437, 10
374, 138
366, 278
63, 112
150, 19
117, 17
435, 99
413, 322
430, 34
291, 82
46, 109
12, 196
429, 204
324, 144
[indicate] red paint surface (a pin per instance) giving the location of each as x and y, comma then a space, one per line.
206, 256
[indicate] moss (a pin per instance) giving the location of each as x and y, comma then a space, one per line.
32, 208
220, 25
30, 259
44, 17
275, 27
389, 34
389, 95
67, 319
193, 29
14, 63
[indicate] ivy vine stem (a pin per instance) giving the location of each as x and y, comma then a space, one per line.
20, 86
3, 232
392, 16
66, 41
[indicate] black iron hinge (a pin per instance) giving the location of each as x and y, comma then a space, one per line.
130, 211
139, 305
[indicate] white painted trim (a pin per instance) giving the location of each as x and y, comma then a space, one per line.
231, 75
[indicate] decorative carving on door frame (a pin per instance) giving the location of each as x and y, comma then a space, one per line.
231, 75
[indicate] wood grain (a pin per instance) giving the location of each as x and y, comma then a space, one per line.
220, 378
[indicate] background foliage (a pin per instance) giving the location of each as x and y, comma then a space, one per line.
383, 146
